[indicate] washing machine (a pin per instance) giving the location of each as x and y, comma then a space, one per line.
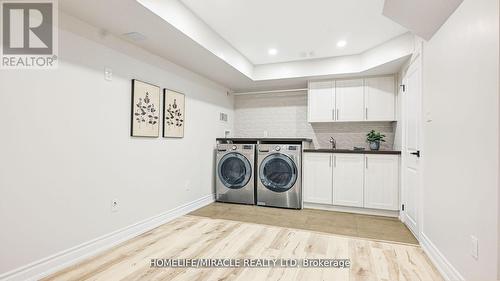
279, 179
235, 173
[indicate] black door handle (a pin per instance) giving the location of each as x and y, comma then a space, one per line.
416, 153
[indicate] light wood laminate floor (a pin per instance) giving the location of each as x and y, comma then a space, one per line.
356, 225
201, 237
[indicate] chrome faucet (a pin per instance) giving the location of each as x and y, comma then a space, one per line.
333, 143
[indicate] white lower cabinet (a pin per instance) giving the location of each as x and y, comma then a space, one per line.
348, 180
382, 182
352, 180
317, 176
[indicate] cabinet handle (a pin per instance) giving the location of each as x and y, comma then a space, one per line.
334, 161
366, 162
338, 110
333, 114
366, 113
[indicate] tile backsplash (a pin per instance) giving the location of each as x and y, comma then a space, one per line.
285, 115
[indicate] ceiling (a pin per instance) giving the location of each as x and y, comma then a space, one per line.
298, 30
171, 31
411, 13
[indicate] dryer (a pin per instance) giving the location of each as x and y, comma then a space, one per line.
235, 173
279, 179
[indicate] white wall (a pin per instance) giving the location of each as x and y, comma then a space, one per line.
66, 150
285, 115
461, 143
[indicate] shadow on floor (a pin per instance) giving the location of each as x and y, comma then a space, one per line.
363, 226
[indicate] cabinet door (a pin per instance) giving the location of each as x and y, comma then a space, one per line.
321, 101
348, 180
380, 99
317, 178
349, 100
382, 182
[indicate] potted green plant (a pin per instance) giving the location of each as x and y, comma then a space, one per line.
374, 139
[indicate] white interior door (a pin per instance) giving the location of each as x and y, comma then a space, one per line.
411, 172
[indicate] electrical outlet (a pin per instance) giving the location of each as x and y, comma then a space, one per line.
108, 74
474, 247
115, 205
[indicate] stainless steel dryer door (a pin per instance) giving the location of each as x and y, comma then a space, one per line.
278, 172
234, 170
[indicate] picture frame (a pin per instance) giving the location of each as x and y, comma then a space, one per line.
145, 110
174, 114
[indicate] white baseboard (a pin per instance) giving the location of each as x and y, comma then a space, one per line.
449, 272
356, 210
403, 218
61, 260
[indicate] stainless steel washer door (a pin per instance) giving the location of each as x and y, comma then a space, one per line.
278, 172
234, 170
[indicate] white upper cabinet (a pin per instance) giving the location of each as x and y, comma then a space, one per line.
321, 101
318, 177
382, 182
380, 99
349, 100
348, 180
352, 100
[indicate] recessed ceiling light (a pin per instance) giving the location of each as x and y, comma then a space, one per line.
272, 51
341, 43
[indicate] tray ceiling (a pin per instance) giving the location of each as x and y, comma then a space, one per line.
297, 30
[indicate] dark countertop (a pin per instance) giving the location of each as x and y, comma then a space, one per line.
265, 139
367, 151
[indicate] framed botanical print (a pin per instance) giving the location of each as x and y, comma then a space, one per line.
173, 114
145, 119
